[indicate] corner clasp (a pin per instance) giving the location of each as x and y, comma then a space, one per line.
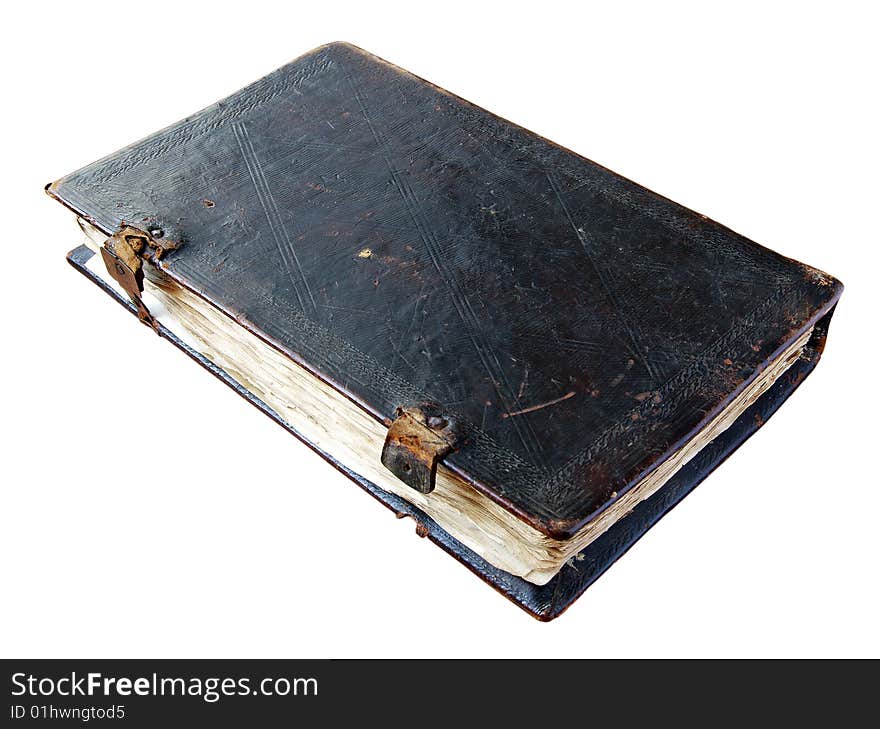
123, 256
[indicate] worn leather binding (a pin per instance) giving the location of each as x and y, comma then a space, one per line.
408, 247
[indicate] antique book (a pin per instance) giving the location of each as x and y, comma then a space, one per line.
531, 356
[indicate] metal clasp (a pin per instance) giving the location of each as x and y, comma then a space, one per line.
123, 254
417, 440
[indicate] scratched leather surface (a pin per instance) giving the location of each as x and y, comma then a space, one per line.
545, 602
408, 246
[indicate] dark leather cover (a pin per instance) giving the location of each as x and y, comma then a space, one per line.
407, 246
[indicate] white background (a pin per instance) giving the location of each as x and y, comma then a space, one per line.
148, 511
